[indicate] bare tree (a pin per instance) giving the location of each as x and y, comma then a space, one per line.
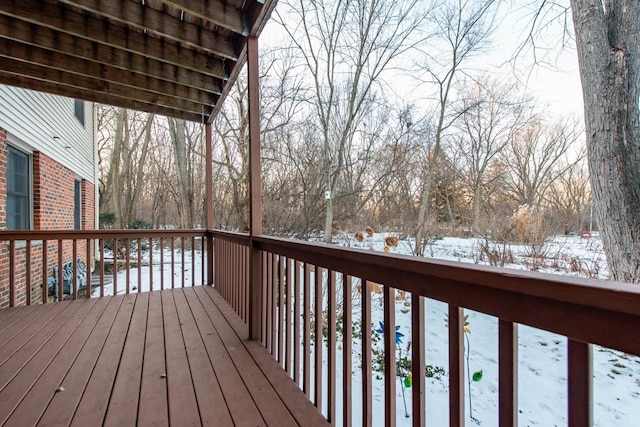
534, 158
490, 115
129, 134
346, 47
607, 37
570, 194
462, 29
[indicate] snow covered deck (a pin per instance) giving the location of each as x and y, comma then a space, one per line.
172, 357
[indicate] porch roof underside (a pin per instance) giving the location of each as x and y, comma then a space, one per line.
177, 58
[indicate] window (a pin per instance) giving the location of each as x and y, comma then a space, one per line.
79, 110
18, 190
77, 205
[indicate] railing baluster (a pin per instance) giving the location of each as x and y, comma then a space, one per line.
193, 261
139, 244
182, 266
116, 251
101, 267
318, 337
274, 304
281, 314
580, 373
235, 276
245, 287
89, 263
216, 263
150, 264
28, 271
331, 346
12, 273
173, 263
60, 272
45, 272
296, 322
162, 264
456, 366
366, 353
289, 313
347, 348
245, 284
269, 298
508, 373
389, 356
265, 297
203, 245
418, 371
306, 353
74, 250
127, 265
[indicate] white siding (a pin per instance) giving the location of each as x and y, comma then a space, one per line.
36, 117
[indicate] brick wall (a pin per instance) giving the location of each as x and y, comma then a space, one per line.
53, 209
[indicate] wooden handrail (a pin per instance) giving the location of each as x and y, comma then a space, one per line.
586, 311
580, 308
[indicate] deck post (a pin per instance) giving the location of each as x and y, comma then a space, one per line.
255, 191
209, 201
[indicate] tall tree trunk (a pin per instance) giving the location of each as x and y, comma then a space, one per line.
608, 42
114, 170
178, 140
140, 170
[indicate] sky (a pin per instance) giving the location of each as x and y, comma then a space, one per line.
555, 81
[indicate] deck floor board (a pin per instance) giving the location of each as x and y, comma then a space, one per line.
173, 357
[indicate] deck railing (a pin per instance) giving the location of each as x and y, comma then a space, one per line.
28, 260
306, 312
231, 272
308, 295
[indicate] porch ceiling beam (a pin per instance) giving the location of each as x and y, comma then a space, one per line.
104, 32
157, 22
107, 73
216, 11
209, 75
79, 93
94, 89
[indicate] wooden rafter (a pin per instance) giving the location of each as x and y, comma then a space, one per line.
172, 57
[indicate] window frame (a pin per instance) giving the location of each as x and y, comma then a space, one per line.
29, 186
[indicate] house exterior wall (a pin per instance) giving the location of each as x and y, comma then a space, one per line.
48, 123
54, 171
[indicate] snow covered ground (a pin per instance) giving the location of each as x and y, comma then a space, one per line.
542, 388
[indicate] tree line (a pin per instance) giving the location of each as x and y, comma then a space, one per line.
343, 148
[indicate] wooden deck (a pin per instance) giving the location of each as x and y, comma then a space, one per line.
175, 357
